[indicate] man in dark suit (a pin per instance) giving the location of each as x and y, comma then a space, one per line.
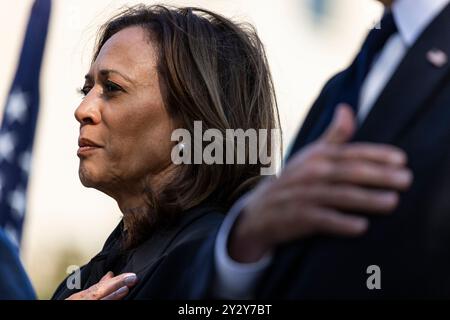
14, 283
399, 89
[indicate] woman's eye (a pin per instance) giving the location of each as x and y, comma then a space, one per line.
108, 88
111, 87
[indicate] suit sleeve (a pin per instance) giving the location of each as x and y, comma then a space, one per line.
234, 280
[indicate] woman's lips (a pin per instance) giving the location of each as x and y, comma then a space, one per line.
86, 146
85, 150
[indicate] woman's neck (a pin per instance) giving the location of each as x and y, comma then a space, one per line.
133, 198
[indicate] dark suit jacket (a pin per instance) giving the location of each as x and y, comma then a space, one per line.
158, 263
412, 246
14, 283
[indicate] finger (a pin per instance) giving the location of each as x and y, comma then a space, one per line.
109, 275
371, 175
75, 296
332, 222
349, 198
380, 153
105, 288
119, 294
360, 173
342, 126
312, 220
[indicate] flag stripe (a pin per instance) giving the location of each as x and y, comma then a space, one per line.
19, 123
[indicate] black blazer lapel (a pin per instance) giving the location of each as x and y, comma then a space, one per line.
414, 81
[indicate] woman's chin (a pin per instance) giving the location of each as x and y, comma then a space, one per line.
88, 178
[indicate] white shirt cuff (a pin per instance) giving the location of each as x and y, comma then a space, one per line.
234, 280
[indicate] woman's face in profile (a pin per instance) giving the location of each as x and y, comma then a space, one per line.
124, 127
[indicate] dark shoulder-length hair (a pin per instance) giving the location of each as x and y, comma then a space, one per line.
214, 71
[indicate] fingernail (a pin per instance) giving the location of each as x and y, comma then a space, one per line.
389, 199
130, 280
121, 291
403, 177
399, 158
361, 224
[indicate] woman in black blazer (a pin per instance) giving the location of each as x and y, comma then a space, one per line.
159, 74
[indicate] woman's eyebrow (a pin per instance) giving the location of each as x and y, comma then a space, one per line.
107, 72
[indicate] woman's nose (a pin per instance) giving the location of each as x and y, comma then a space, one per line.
88, 112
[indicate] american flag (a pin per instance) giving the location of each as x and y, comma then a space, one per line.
19, 124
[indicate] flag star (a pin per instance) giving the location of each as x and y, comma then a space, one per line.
12, 234
17, 201
6, 146
25, 162
16, 107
